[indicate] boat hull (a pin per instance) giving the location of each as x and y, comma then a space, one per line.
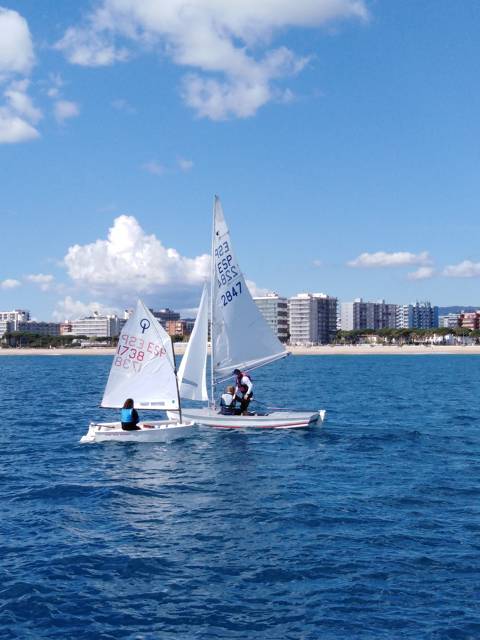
155, 431
274, 420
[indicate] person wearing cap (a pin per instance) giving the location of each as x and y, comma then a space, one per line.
228, 401
243, 390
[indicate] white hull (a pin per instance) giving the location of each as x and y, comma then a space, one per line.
155, 431
274, 420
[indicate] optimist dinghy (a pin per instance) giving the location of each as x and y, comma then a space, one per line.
233, 313
143, 368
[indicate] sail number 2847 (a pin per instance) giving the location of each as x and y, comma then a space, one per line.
232, 293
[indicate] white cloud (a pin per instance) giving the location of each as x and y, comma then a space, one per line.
317, 263
18, 115
155, 168
65, 109
422, 273
16, 48
383, 259
130, 263
465, 269
9, 283
184, 164
228, 43
255, 290
70, 309
43, 280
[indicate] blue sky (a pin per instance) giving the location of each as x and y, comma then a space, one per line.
341, 135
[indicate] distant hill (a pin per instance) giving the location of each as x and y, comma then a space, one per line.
443, 311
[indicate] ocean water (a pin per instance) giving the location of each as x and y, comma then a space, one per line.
366, 528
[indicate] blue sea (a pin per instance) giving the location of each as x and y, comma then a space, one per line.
368, 527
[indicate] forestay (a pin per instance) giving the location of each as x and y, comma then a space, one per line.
143, 367
241, 337
192, 370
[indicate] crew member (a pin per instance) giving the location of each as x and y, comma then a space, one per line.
129, 416
227, 402
243, 390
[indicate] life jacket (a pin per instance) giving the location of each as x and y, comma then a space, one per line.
242, 387
127, 415
227, 404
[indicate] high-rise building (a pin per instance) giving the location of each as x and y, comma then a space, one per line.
312, 318
358, 315
420, 315
274, 309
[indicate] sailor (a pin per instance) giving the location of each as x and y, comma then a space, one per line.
227, 402
129, 416
243, 390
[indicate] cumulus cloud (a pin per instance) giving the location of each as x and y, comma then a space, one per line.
422, 273
16, 48
256, 290
18, 115
130, 263
123, 105
226, 45
70, 309
465, 269
383, 259
65, 109
43, 280
9, 283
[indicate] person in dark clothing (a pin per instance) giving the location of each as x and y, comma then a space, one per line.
243, 390
129, 416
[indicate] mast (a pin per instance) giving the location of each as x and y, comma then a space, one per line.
212, 276
176, 381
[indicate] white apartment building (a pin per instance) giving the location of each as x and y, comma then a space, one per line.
312, 318
9, 320
449, 321
274, 309
97, 326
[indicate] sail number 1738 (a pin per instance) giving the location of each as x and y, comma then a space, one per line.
232, 293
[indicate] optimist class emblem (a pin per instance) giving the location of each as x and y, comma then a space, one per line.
144, 324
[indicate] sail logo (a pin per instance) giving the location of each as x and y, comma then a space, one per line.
144, 324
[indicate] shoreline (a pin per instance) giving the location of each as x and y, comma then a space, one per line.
327, 350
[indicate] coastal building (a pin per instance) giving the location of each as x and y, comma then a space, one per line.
15, 316
420, 315
469, 320
449, 321
39, 328
312, 318
164, 315
274, 309
179, 328
97, 326
358, 315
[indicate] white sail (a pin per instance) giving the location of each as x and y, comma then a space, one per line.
143, 367
192, 370
241, 337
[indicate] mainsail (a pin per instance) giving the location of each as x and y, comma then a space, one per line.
192, 370
143, 367
241, 337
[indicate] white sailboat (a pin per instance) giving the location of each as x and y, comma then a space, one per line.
143, 368
240, 339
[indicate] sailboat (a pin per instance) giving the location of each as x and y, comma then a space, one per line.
240, 339
143, 368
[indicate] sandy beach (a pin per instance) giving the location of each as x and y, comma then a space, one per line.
327, 350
